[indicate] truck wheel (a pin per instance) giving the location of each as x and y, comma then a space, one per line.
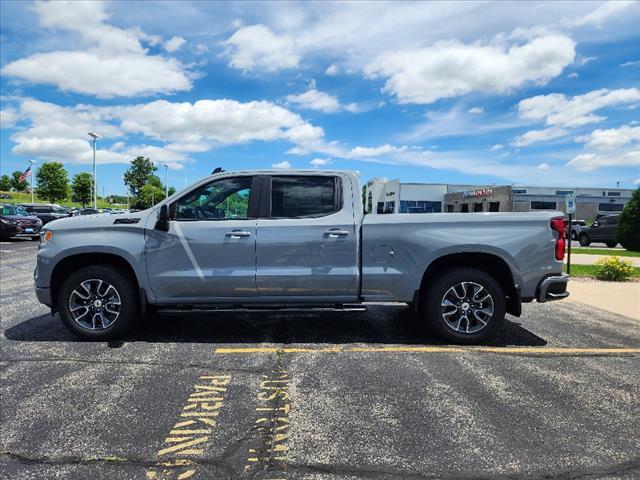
98, 302
584, 240
465, 305
612, 244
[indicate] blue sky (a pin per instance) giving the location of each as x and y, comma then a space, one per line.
461, 92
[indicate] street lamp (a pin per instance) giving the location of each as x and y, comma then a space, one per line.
94, 138
31, 162
166, 180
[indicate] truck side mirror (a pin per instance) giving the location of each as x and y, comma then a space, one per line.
163, 219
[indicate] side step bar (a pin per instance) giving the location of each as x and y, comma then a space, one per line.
181, 309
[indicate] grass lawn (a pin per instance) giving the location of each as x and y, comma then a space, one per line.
19, 197
610, 252
590, 271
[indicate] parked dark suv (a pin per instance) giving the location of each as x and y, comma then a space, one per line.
16, 222
604, 229
47, 212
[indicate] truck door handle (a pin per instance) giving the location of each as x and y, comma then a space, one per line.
237, 234
336, 233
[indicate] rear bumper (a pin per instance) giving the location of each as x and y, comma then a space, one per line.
553, 288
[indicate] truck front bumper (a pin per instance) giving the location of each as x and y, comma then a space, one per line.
44, 296
553, 288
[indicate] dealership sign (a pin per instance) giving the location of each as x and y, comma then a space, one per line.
482, 192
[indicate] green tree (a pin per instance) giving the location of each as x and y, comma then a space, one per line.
5, 183
148, 196
139, 174
81, 188
629, 223
52, 182
172, 190
16, 184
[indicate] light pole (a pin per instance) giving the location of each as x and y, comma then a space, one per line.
127, 190
166, 180
31, 162
94, 139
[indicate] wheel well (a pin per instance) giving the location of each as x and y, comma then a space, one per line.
488, 263
72, 263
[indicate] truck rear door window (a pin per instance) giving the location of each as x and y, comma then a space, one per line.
299, 197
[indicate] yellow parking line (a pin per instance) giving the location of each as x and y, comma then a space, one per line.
432, 349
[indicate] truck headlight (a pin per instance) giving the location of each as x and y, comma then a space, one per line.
46, 236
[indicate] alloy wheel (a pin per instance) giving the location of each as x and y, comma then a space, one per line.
467, 307
95, 304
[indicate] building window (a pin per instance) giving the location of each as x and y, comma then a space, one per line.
613, 194
518, 190
543, 206
477, 207
389, 207
420, 206
564, 192
449, 208
464, 208
494, 206
380, 208
610, 207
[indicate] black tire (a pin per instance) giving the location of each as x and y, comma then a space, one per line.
584, 240
611, 244
435, 294
128, 309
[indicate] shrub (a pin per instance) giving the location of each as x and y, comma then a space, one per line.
629, 224
613, 269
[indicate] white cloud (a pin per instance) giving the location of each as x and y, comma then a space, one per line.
496, 147
591, 161
57, 132
320, 162
611, 138
604, 12
359, 152
105, 76
257, 47
558, 109
8, 117
543, 166
174, 44
111, 63
315, 100
560, 112
450, 68
633, 63
284, 164
332, 70
535, 136
636, 181
476, 110
573, 75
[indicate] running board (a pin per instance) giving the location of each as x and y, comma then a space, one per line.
181, 309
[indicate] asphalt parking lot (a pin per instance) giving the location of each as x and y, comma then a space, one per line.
315, 396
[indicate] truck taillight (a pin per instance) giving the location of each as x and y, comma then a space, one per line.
557, 224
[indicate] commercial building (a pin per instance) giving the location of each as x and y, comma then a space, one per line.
396, 197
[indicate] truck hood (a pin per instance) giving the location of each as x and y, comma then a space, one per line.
101, 221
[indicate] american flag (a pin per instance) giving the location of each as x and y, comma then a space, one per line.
25, 175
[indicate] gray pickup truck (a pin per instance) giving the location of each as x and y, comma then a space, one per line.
256, 240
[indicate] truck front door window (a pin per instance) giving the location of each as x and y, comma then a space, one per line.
223, 199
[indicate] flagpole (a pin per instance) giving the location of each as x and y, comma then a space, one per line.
31, 162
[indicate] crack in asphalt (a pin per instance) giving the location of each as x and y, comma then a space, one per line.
224, 463
95, 362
